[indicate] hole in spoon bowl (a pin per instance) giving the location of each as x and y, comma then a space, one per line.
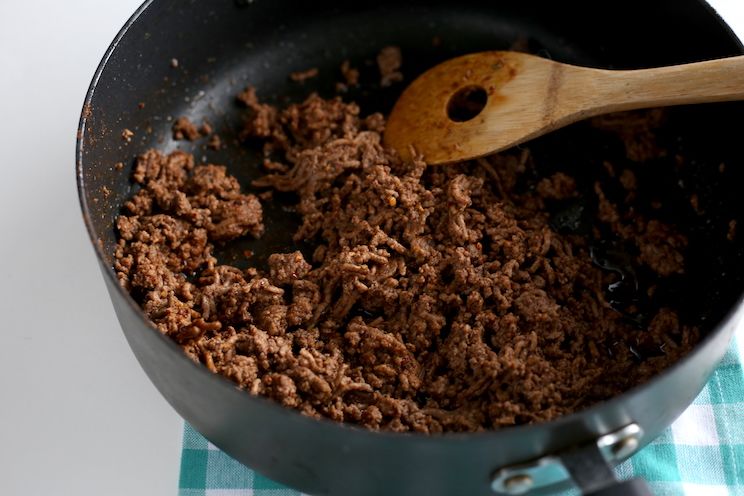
466, 103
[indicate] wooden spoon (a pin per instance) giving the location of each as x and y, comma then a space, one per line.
481, 103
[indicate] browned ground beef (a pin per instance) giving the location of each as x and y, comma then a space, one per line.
184, 129
389, 61
302, 76
437, 298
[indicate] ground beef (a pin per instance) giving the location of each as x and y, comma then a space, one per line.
559, 186
628, 180
659, 245
389, 61
434, 298
184, 129
302, 76
350, 74
637, 131
215, 142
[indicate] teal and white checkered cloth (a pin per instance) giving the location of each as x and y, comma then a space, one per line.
701, 454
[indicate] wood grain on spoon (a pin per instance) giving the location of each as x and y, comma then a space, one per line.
482, 103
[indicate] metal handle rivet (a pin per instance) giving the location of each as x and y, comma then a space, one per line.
625, 447
518, 484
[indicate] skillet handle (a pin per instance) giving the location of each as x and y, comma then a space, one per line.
633, 487
590, 465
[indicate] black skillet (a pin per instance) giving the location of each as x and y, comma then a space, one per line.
176, 58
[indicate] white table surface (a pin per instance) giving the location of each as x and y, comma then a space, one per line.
77, 414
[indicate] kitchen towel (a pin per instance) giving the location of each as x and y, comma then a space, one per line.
701, 454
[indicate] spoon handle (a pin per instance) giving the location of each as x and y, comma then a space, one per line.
699, 82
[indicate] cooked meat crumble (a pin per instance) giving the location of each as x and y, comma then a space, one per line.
436, 298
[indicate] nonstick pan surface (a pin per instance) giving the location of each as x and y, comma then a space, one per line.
190, 59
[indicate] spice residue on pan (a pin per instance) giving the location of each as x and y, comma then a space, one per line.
455, 298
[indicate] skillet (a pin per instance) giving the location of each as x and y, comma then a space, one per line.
175, 58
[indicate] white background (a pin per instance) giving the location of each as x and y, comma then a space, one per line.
77, 414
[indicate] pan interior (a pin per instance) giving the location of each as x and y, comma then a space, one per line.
186, 60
